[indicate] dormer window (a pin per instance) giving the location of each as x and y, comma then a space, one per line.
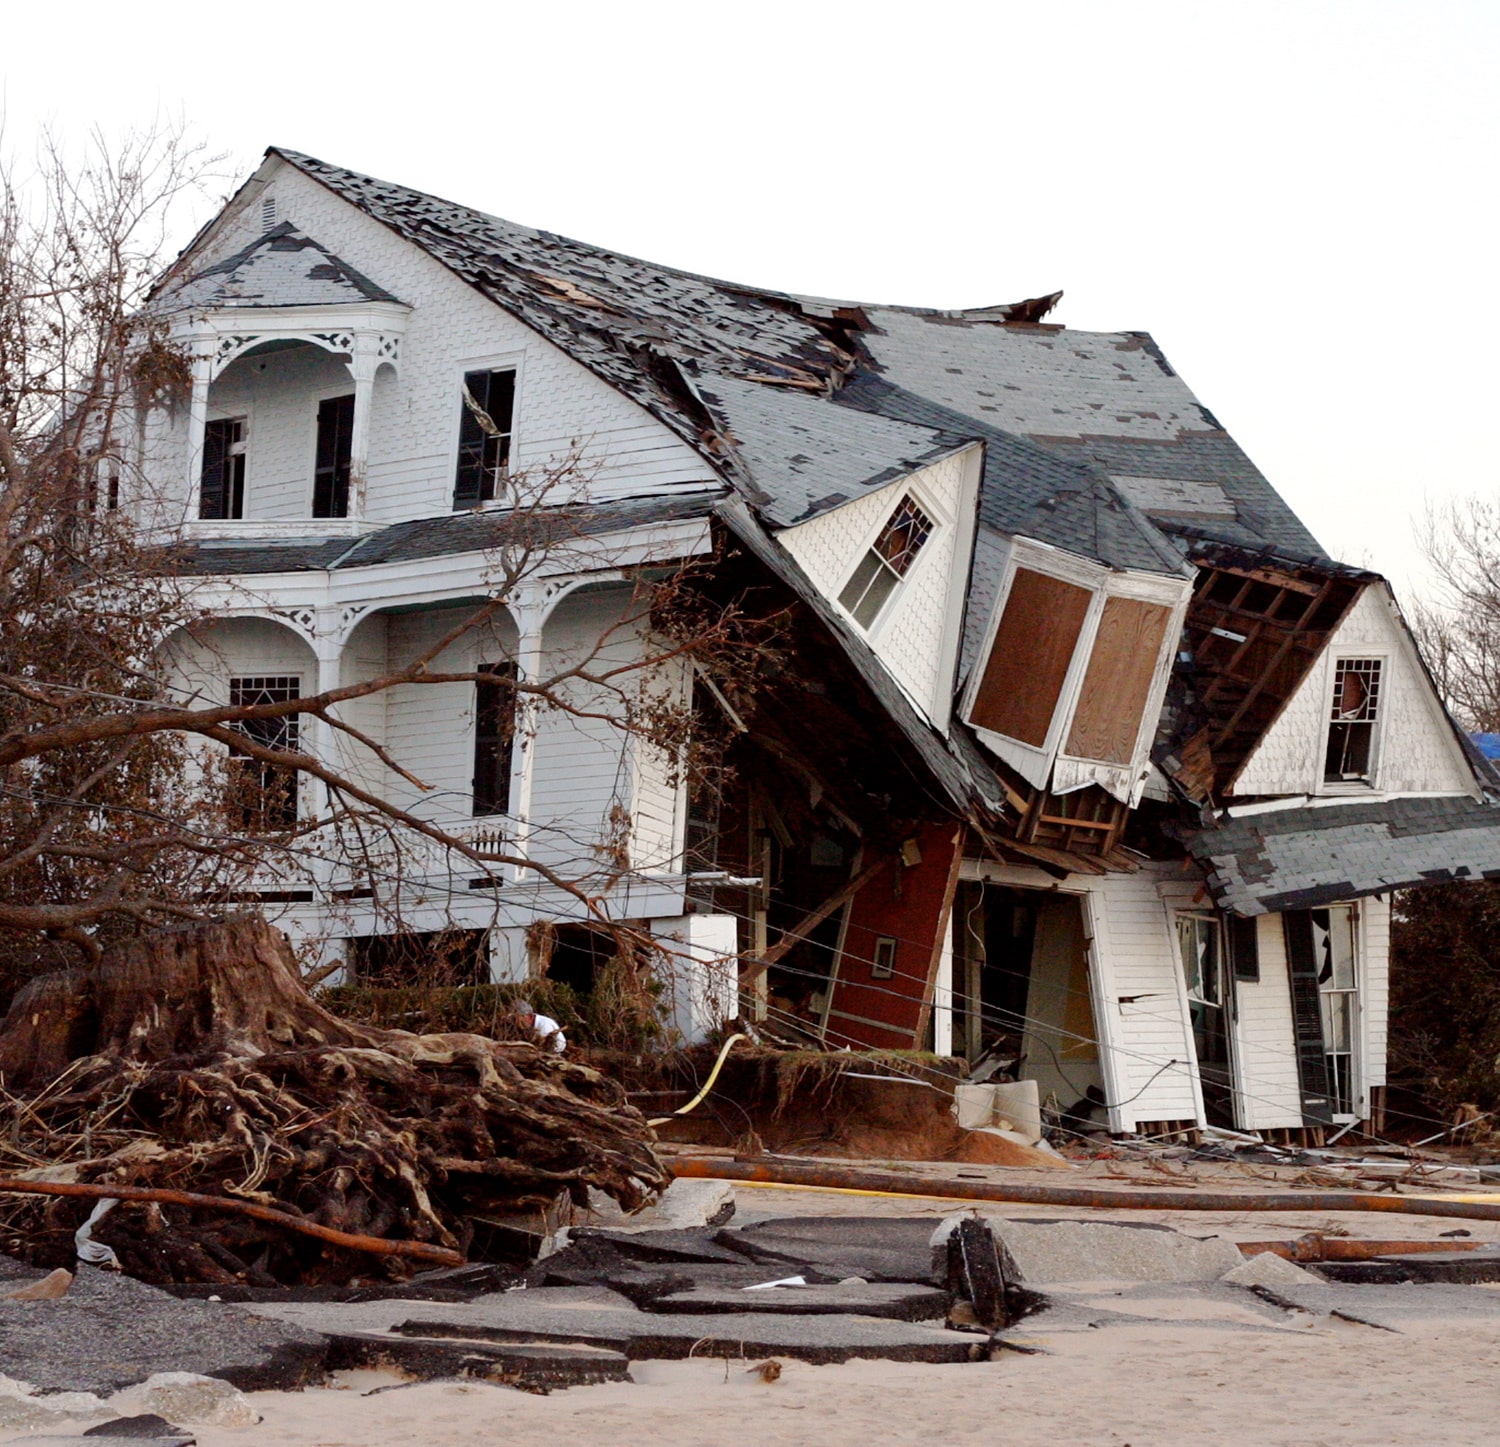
221, 488
887, 562
484, 431
1355, 716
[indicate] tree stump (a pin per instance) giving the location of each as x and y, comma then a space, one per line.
195, 1059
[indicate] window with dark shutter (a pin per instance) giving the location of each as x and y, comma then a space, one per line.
264, 794
494, 734
221, 489
331, 468
484, 429
1307, 1017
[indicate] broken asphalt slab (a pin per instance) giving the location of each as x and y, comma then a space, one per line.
895, 1301
111, 1331
540, 1366
1390, 1308
1464, 1268
600, 1318
876, 1248
1052, 1252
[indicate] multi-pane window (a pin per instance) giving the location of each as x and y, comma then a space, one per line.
1351, 730
335, 448
488, 407
221, 489
494, 733
888, 561
1338, 994
264, 794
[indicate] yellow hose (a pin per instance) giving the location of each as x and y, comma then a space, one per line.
698, 1099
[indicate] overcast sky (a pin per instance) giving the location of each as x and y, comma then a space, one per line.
1297, 200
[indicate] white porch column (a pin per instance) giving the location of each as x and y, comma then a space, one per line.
318, 737
203, 371
529, 609
362, 364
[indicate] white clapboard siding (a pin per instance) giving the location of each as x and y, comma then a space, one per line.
563, 410
1416, 751
658, 811
582, 788
1375, 991
1265, 1046
915, 636
1145, 1020
203, 662
430, 727
365, 657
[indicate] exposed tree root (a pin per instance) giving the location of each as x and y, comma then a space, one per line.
195, 1060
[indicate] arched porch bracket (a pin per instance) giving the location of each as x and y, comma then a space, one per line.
366, 337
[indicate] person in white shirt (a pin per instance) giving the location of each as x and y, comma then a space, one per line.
545, 1030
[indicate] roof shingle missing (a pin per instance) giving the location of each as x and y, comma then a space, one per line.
281, 268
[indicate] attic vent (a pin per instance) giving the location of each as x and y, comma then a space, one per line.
267, 213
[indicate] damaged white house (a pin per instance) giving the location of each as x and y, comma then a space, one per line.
1083, 755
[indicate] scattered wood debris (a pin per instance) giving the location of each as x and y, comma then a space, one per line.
195, 1060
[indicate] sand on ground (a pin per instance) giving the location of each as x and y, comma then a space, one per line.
1315, 1383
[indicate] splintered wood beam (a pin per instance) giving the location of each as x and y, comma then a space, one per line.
753, 969
1276, 658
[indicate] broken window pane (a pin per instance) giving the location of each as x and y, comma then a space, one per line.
221, 488
1198, 944
1351, 729
888, 561
1335, 956
486, 411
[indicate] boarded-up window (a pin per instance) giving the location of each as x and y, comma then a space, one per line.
1029, 660
1127, 648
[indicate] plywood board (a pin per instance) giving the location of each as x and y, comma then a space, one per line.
1028, 663
1127, 648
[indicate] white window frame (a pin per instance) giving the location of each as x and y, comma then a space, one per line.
941, 519
1371, 783
246, 415
1357, 1045
320, 395
454, 401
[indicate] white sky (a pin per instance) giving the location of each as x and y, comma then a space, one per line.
1298, 200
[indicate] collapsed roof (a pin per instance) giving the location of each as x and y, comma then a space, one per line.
1093, 444
1097, 445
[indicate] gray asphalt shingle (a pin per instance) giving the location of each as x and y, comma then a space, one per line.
281, 268
1301, 858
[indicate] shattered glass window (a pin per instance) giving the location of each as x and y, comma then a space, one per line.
484, 431
1335, 952
1198, 944
1351, 729
888, 561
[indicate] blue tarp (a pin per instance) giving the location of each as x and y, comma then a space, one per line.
1487, 744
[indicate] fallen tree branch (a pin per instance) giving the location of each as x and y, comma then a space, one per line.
411, 1250
843, 1178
